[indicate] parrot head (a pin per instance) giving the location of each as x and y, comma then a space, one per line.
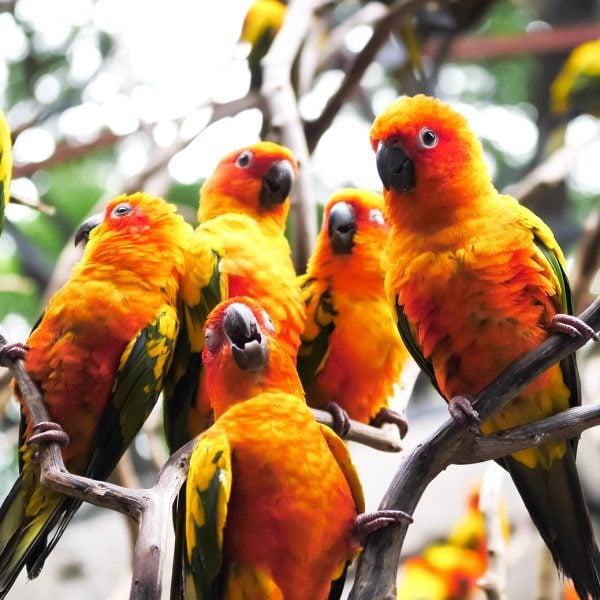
427, 157
243, 356
255, 181
353, 219
130, 215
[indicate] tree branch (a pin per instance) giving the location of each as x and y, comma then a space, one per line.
378, 563
280, 99
397, 11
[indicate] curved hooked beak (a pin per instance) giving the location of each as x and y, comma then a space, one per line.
248, 345
83, 232
276, 184
341, 228
395, 168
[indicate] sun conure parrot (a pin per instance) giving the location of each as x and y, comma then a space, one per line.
239, 248
351, 352
477, 280
99, 354
261, 24
576, 88
272, 496
6, 164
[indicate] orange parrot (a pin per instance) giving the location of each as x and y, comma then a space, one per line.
99, 355
272, 496
477, 280
351, 352
280, 521
238, 249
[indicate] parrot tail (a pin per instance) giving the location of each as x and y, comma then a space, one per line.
24, 540
555, 502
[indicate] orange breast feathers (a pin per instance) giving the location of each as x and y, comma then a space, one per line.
115, 291
351, 350
282, 469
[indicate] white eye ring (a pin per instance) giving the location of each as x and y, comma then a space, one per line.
121, 210
428, 137
244, 159
376, 216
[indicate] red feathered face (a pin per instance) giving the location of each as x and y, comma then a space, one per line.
126, 214
421, 142
259, 177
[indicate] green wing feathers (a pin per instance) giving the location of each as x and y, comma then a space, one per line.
204, 288
207, 495
320, 323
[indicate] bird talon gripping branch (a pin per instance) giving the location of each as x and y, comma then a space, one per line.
48, 432
574, 327
367, 523
462, 411
13, 351
341, 420
389, 415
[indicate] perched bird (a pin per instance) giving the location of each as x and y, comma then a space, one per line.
576, 88
477, 280
238, 249
5, 166
99, 354
272, 496
261, 24
351, 352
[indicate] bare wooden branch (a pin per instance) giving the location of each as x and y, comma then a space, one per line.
280, 99
151, 508
397, 11
587, 261
380, 439
378, 563
493, 581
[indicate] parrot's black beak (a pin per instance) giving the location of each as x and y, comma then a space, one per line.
395, 168
248, 345
83, 233
341, 228
276, 184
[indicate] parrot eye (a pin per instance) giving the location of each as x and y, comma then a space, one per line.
121, 210
211, 340
243, 160
428, 138
268, 321
376, 216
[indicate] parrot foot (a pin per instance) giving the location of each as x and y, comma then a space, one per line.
388, 415
462, 411
573, 326
13, 351
48, 432
341, 420
372, 521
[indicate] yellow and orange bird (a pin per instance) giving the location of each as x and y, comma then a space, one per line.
272, 496
477, 280
450, 570
261, 24
239, 248
351, 352
99, 355
6, 165
576, 88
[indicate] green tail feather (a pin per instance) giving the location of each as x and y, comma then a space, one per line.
555, 502
24, 541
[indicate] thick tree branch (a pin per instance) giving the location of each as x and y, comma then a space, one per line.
378, 563
280, 99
